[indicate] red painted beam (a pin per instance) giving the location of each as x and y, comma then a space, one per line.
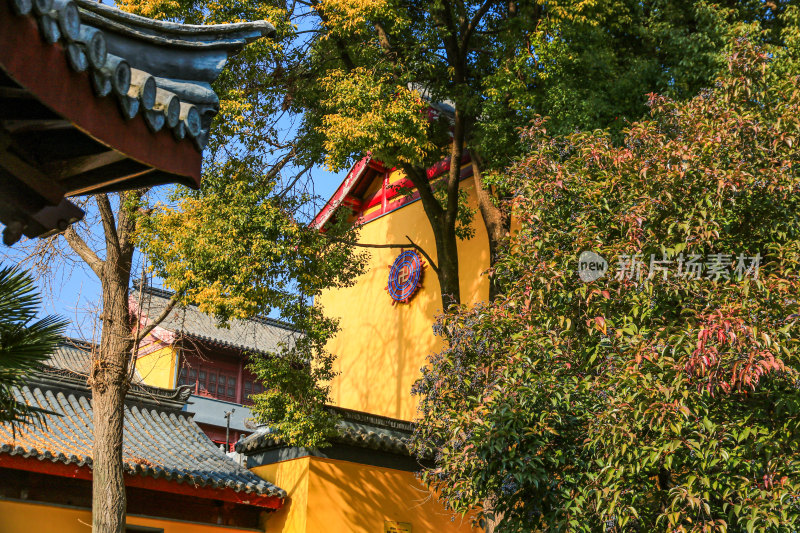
375, 199
341, 193
352, 203
357, 173
443, 166
391, 190
42, 69
144, 482
394, 200
374, 164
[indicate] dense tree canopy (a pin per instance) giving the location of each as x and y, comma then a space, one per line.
236, 250
629, 403
664, 395
348, 77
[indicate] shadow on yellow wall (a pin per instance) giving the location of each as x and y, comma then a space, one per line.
26, 517
347, 497
293, 477
381, 347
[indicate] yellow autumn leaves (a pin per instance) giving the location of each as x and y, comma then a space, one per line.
352, 16
371, 110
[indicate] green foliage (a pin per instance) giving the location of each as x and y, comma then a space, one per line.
240, 246
583, 64
347, 77
235, 250
299, 387
659, 402
371, 112
465, 214
24, 341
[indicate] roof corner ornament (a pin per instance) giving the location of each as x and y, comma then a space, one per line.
182, 393
159, 76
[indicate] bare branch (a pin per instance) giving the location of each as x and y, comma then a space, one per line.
82, 249
107, 216
145, 331
421, 250
383, 39
444, 18
364, 244
390, 245
299, 175
277, 167
344, 55
476, 19
136, 338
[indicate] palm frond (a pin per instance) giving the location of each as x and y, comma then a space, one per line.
24, 341
18, 297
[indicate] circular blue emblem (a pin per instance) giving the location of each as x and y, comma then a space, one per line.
405, 276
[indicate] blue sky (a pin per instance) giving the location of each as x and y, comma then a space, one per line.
70, 289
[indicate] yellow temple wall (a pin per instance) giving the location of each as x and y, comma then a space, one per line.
28, 517
353, 498
381, 347
370, 497
158, 368
293, 477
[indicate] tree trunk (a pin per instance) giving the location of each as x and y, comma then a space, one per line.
493, 524
496, 220
109, 383
447, 244
109, 377
449, 281
443, 228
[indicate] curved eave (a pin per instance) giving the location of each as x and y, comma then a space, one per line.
78, 468
168, 49
93, 100
42, 70
231, 37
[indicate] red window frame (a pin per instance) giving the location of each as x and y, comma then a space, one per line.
209, 381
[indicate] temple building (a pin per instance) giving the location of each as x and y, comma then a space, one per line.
365, 481
386, 318
188, 350
176, 479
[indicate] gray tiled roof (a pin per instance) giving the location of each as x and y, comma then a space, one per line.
156, 69
75, 356
354, 429
158, 442
258, 334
